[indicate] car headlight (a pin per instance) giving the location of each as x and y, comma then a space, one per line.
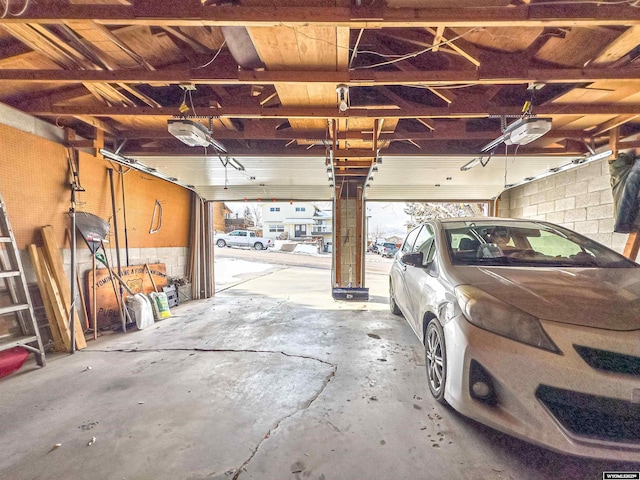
489, 313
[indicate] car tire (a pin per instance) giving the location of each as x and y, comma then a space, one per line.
221, 243
258, 246
436, 359
393, 306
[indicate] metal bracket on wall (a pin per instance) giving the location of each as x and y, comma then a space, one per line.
156, 218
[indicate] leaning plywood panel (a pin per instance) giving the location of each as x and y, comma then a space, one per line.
54, 328
52, 254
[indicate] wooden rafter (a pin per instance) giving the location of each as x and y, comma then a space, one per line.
170, 12
461, 111
506, 76
64, 54
183, 37
462, 47
446, 95
620, 47
105, 33
427, 123
613, 123
438, 38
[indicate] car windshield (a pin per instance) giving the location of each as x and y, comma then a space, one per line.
389, 245
528, 244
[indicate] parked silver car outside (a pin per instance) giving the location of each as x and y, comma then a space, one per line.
388, 249
529, 328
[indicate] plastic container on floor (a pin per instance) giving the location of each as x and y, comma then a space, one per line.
160, 305
141, 310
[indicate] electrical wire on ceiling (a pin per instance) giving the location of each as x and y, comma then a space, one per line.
191, 102
418, 52
452, 86
6, 10
214, 57
506, 152
398, 57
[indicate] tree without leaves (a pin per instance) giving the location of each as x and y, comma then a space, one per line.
421, 212
257, 215
248, 217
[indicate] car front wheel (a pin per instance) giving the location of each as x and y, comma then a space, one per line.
221, 243
393, 306
258, 246
436, 359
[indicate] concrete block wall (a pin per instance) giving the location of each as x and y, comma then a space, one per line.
175, 258
579, 199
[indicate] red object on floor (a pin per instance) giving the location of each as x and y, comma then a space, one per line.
12, 359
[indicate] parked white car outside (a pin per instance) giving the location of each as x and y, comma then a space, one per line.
243, 238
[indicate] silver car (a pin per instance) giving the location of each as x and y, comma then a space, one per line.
529, 328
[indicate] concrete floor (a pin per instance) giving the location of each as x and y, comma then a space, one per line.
270, 379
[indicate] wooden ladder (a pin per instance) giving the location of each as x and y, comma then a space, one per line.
15, 299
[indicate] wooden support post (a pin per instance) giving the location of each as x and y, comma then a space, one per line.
614, 140
98, 142
493, 207
359, 267
337, 238
69, 135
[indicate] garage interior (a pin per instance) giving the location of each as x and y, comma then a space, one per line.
143, 113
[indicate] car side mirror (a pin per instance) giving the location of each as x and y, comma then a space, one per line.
413, 259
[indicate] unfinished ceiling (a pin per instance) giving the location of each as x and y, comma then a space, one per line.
426, 86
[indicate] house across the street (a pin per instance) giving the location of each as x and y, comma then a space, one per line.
296, 221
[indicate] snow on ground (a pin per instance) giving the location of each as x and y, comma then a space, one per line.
306, 249
227, 268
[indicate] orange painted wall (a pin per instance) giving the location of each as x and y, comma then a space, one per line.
34, 182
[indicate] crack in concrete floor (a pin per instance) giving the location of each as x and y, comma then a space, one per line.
275, 427
327, 379
212, 350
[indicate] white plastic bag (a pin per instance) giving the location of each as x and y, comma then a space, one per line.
140, 310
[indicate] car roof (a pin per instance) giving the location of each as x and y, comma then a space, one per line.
444, 221
477, 219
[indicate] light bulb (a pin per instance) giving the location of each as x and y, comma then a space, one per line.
343, 92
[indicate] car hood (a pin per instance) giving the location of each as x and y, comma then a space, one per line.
607, 298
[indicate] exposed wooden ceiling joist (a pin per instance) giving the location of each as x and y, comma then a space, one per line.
193, 13
508, 75
424, 83
462, 111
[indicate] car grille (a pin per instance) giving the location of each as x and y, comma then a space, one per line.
592, 416
609, 361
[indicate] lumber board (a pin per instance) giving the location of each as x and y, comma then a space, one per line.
55, 299
83, 303
36, 254
52, 255
620, 47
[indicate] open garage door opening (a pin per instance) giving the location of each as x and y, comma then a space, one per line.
252, 237
388, 222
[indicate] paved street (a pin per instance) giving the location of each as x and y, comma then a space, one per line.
375, 264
